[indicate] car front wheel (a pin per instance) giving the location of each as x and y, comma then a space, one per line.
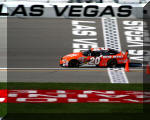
74, 63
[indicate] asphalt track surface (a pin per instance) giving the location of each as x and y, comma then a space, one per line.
37, 45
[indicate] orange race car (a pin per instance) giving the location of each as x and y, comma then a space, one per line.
99, 57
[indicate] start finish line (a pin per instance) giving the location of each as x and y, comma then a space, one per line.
73, 96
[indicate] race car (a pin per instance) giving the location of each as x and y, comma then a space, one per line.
100, 57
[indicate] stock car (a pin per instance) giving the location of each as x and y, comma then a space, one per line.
100, 57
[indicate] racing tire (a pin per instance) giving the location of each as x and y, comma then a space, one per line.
74, 63
112, 63
97, 65
61, 65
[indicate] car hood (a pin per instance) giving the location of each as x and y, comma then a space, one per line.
72, 55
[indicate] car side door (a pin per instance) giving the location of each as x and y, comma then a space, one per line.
95, 57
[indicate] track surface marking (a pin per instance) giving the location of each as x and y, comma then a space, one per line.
112, 40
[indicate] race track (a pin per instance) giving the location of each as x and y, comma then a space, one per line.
36, 45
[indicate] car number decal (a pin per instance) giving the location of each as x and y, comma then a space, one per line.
94, 61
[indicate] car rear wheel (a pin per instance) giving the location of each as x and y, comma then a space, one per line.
112, 63
74, 63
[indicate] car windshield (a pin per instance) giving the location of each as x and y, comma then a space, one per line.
86, 53
112, 51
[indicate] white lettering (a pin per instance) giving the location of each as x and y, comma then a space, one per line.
87, 41
84, 33
138, 28
2, 99
134, 33
137, 23
140, 58
136, 52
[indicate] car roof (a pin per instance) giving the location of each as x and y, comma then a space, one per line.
98, 49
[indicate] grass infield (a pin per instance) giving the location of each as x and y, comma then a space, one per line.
71, 108
72, 86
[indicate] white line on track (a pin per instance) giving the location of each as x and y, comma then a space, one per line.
118, 75
112, 40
